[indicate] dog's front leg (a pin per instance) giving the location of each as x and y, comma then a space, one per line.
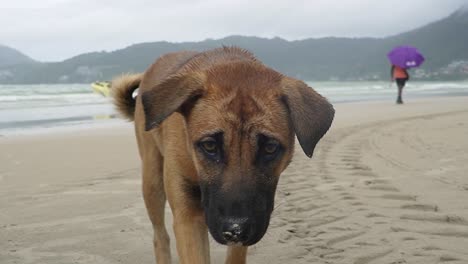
191, 235
236, 255
190, 229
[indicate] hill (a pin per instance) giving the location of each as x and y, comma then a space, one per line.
10, 56
444, 44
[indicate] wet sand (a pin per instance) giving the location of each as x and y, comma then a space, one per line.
388, 184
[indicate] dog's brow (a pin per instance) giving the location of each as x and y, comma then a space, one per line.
209, 133
269, 133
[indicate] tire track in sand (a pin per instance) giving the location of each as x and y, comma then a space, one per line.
344, 211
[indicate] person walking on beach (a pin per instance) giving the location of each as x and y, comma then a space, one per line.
400, 76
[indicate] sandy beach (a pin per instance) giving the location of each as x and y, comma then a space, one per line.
388, 184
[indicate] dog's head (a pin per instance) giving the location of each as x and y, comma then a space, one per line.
241, 119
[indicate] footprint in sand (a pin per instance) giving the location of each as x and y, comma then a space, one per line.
446, 219
421, 207
401, 197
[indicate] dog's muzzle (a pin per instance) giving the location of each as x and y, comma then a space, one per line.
240, 217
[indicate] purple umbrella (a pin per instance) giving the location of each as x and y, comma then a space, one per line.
405, 57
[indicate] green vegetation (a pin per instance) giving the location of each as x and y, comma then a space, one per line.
443, 43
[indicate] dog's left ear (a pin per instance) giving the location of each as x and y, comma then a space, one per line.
310, 113
170, 96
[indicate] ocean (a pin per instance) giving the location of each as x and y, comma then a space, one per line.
40, 108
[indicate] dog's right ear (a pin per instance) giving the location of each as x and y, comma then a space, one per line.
169, 96
310, 113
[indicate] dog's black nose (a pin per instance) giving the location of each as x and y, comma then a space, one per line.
235, 230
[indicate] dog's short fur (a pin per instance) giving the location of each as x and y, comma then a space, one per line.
215, 130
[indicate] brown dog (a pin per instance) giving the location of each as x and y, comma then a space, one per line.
215, 130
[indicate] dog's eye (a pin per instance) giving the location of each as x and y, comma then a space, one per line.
271, 147
209, 146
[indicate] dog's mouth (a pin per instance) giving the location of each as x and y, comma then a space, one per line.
240, 217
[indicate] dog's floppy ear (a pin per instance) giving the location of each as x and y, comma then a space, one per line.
310, 113
169, 96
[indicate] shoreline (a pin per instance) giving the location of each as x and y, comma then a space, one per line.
88, 122
43, 107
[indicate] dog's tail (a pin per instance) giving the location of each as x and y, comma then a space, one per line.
122, 91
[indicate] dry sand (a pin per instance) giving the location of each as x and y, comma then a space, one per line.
388, 184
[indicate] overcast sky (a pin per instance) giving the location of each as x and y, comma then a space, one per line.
51, 30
